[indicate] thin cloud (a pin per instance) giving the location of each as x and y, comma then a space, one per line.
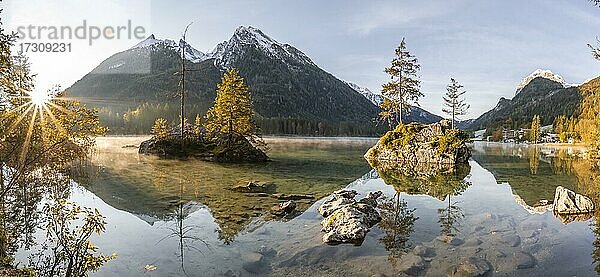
379, 15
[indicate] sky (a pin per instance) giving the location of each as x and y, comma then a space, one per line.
488, 46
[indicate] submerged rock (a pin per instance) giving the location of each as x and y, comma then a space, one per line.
412, 143
473, 266
284, 208
512, 240
452, 240
568, 202
254, 187
423, 251
523, 260
296, 197
347, 220
253, 262
411, 264
473, 242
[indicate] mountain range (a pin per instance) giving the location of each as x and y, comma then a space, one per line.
541, 93
291, 94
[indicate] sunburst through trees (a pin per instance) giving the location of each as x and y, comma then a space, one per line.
41, 134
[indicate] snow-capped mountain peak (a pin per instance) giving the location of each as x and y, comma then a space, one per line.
373, 97
190, 53
251, 35
226, 52
547, 74
152, 41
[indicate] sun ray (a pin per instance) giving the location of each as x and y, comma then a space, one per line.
59, 107
19, 119
19, 107
27, 138
54, 120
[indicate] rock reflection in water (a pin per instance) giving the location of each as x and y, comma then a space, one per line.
303, 170
441, 181
436, 180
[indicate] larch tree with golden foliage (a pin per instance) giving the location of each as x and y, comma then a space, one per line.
160, 129
403, 90
232, 112
536, 129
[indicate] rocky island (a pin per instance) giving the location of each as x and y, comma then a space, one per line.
412, 144
215, 147
227, 133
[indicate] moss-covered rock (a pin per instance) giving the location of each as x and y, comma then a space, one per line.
222, 148
417, 143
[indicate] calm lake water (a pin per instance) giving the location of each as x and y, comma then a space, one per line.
180, 217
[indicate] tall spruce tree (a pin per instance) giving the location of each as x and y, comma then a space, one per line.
232, 111
403, 90
536, 129
456, 105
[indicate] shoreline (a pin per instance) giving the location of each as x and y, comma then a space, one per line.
579, 145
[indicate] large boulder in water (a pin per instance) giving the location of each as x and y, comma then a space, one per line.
224, 148
414, 143
568, 202
347, 220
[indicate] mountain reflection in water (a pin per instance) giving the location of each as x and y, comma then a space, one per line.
180, 217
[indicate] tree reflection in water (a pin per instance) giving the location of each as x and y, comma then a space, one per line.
66, 226
435, 180
185, 234
534, 160
397, 223
588, 177
449, 218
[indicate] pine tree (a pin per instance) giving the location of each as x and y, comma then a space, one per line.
452, 100
536, 132
403, 89
232, 111
160, 129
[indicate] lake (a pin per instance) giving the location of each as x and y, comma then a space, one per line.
179, 217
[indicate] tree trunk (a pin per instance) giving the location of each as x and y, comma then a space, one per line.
230, 128
3, 237
182, 93
400, 114
453, 117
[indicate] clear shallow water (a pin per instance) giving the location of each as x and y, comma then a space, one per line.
178, 216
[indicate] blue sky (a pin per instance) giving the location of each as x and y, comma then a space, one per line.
489, 46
